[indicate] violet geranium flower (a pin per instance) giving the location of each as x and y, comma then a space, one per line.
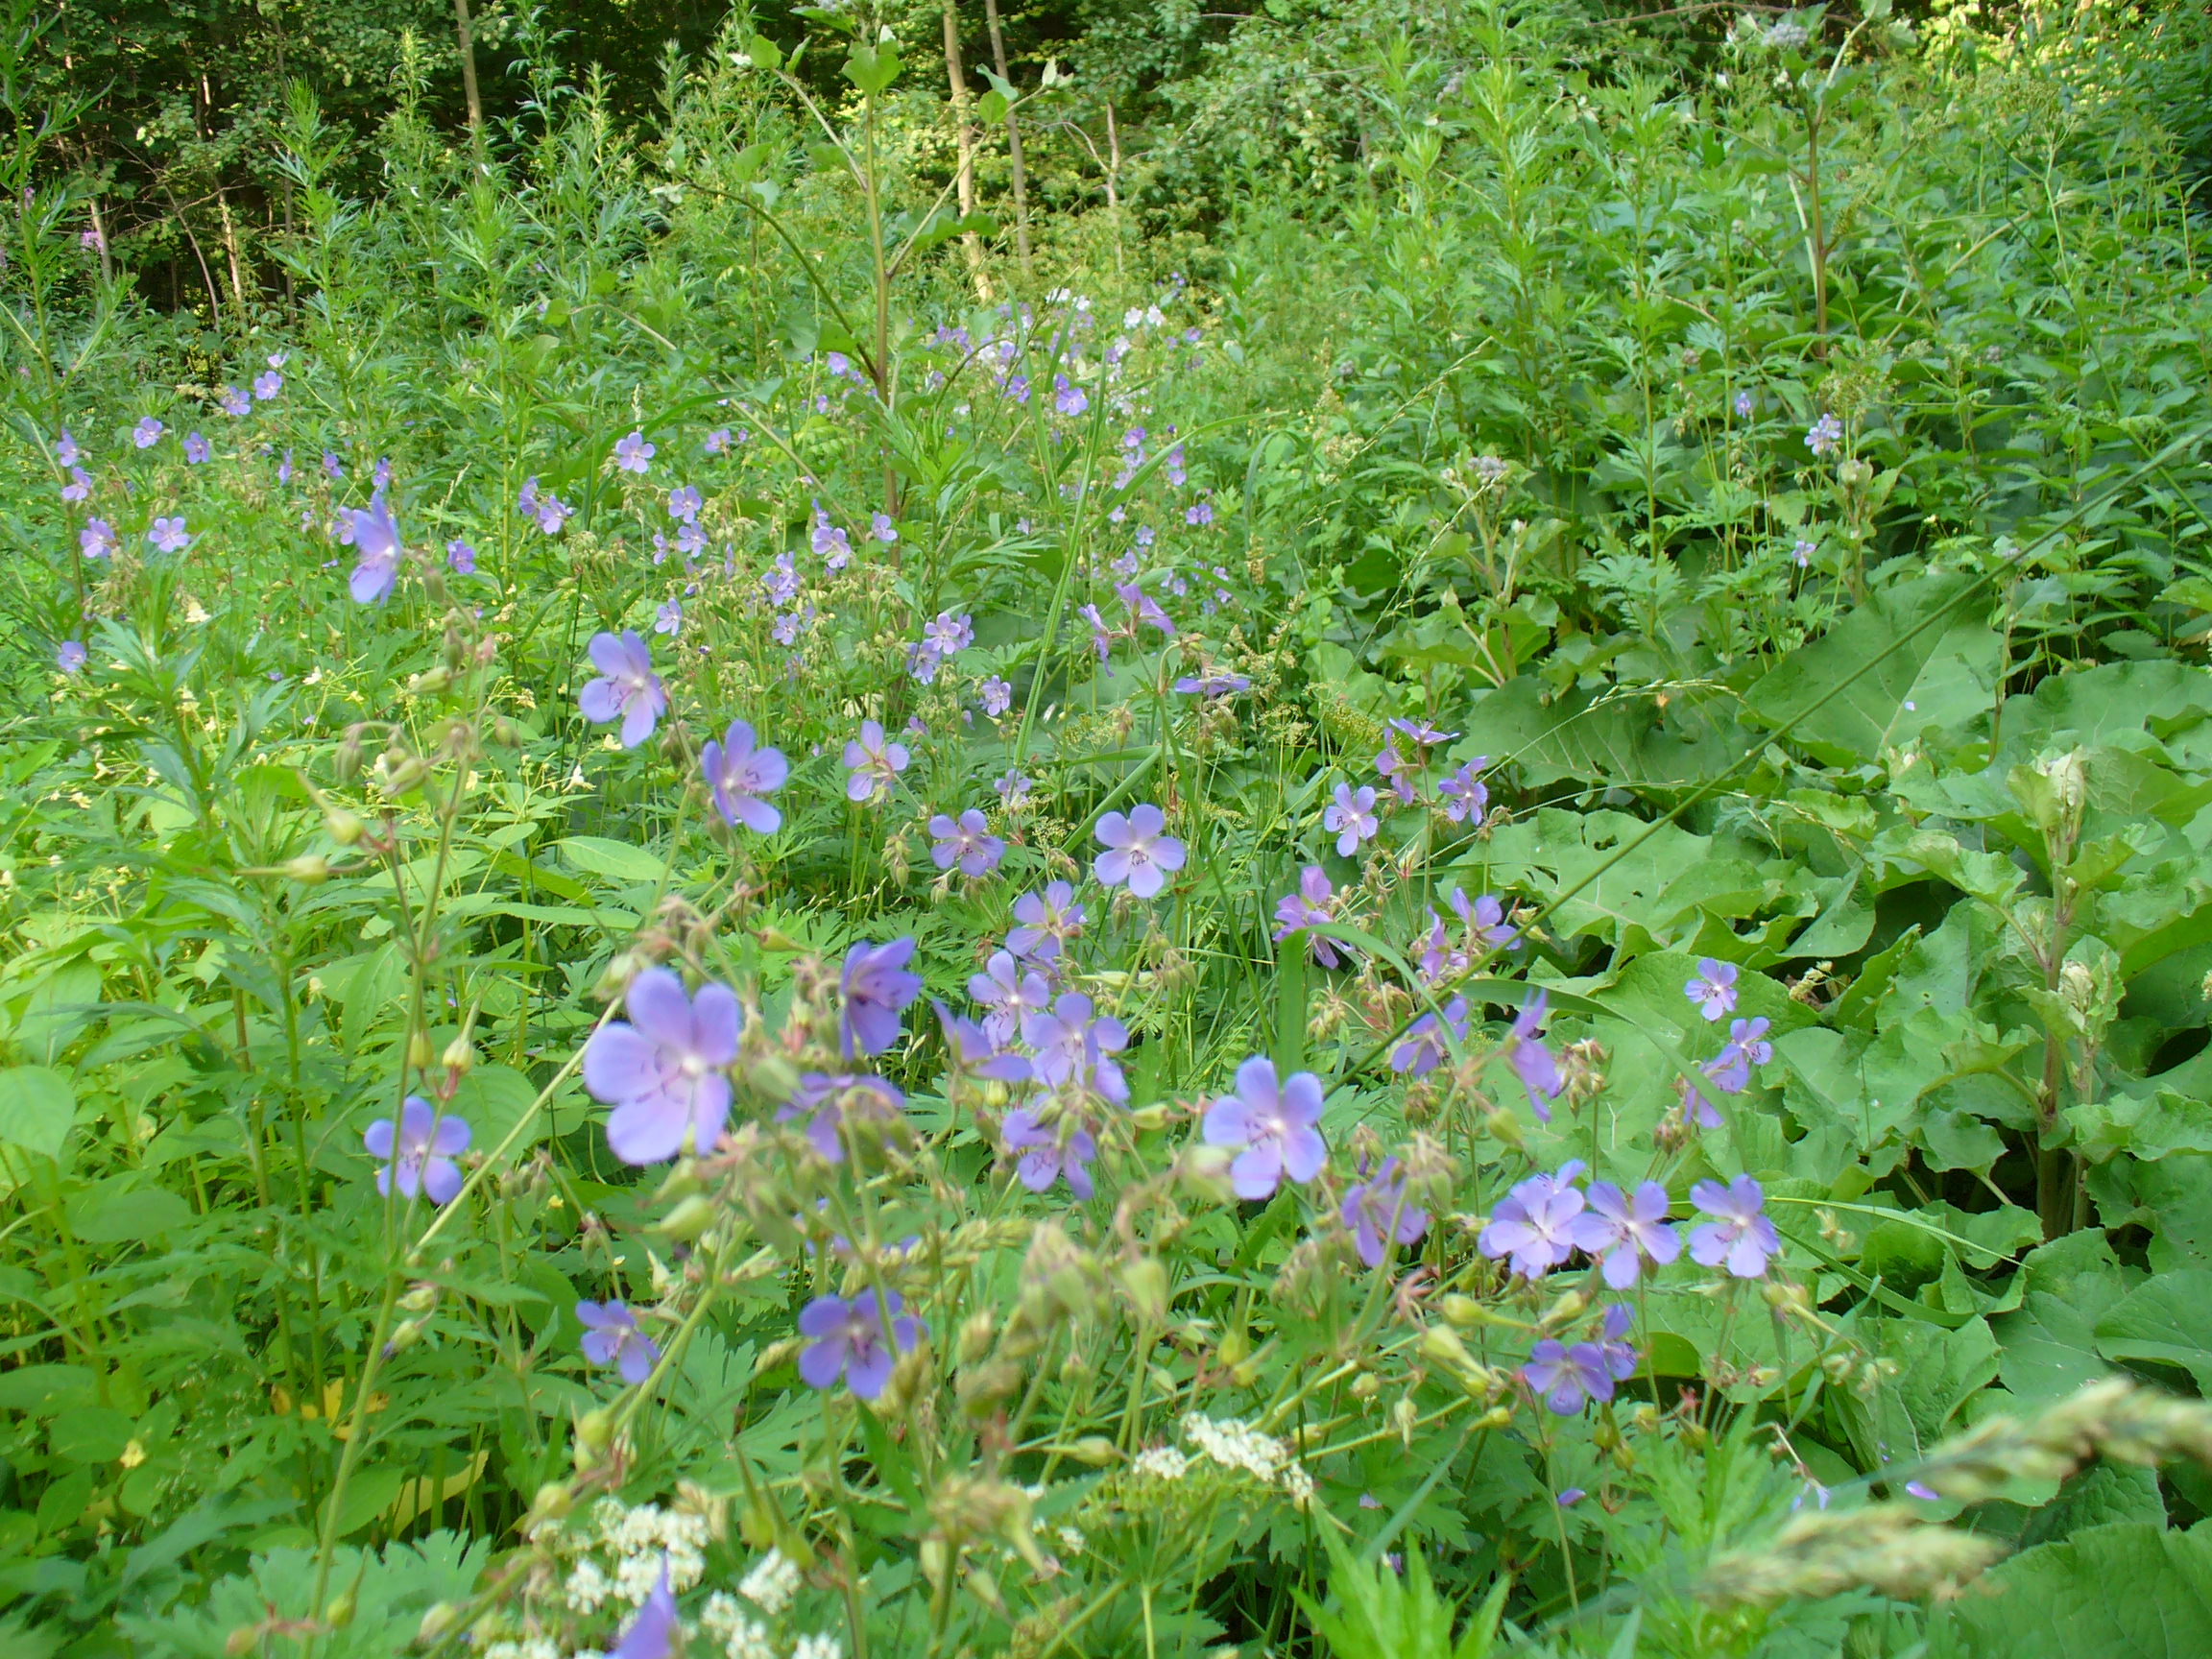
850, 1341
1532, 1062
1538, 1224
661, 1071
98, 539
168, 535
1423, 1048
612, 1338
1010, 994
1049, 1152
1740, 1235
633, 454
975, 1053
1378, 1214
1713, 988
1351, 819
1073, 1048
875, 762
1139, 850
627, 688
876, 989
421, 1148
1625, 1230
1748, 1047
738, 774
1046, 921
1311, 905
1464, 794
966, 841
376, 538
1566, 1377
1275, 1129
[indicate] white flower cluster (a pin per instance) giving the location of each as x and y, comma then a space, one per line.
821, 1646
528, 1648
740, 1635
646, 1536
1161, 1463
772, 1582
1235, 1445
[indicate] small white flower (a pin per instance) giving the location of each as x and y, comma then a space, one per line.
821, 1646
588, 1587
771, 1583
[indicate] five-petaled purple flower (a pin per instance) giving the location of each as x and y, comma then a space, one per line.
1485, 919
1824, 434
168, 535
1566, 1377
612, 1338
877, 988
683, 503
662, 1071
835, 1100
876, 763
147, 433
1049, 1151
69, 656
1073, 1048
1274, 1126
851, 1341
376, 538
1739, 1235
1068, 397
1424, 1046
422, 1147
195, 449
1010, 994
1532, 1062
235, 402
1351, 819
1378, 1214
1046, 921
1748, 1047
266, 384
80, 485
633, 454
966, 841
738, 774
1212, 686
1713, 988
1464, 793
1539, 1224
627, 688
98, 539
1139, 850
976, 1054
1310, 907
1626, 1229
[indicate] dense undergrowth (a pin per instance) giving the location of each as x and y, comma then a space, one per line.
1462, 909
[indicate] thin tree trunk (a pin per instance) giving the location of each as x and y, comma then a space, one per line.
231, 247
1114, 180
965, 177
461, 27
1020, 178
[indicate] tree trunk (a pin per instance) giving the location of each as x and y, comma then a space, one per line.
965, 177
460, 28
1019, 176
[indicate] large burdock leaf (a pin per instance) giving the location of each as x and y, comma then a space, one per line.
2125, 1591
1914, 657
2165, 1319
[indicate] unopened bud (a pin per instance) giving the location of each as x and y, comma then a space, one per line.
1504, 1128
554, 1499
406, 778
309, 868
504, 733
459, 1056
593, 1431
1095, 1450
420, 1298
430, 682
404, 1336
772, 1077
343, 826
348, 760
1441, 1346
682, 1182
1145, 1281
1150, 1117
1567, 1309
340, 1612
418, 1051
687, 1220
441, 1618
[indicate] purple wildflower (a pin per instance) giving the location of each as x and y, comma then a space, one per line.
1567, 1378
950, 634
716, 441
461, 557
1073, 1048
1424, 1047
98, 539
1144, 609
1068, 399
998, 696
880, 527
336, 473
1010, 994
876, 989
612, 1338
966, 840
1466, 797
420, 1148
1739, 1235
1485, 919
1626, 1230
1532, 1062
235, 402
147, 433
1824, 434
738, 774
80, 485
1198, 514
1014, 788
683, 503
633, 454
627, 688
1276, 1129
1048, 1153
1310, 907
267, 385
1378, 1214
1538, 1224
833, 1101
1048, 921
976, 1054
374, 536
661, 1071
1351, 819
1212, 686
876, 763
1139, 850
69, 656
1713, 989
1748, 1047
653, 1633
830, 544
168, 535
65, 452
850, 1341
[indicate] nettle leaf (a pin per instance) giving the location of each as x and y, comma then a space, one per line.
2131, 1590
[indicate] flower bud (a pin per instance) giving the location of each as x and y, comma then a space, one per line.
772, 1077
418, 1051
408, 777
1441, 1346
682, 1182
343, 827
441, 1619
430, 682
553, 1502
348, 760
1145, 1282
309, 868
1095, 1450
687, 1220
404, 1336
340, 1612
593, 1431
1567, 1309
460, 1056
1150, 1117
420, 1298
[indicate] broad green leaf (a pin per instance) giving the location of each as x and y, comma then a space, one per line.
2130, 1590
2165, 1319
38, 1105
2050, 1344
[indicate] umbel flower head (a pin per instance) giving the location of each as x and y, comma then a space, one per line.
662, 1071
420, 1150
